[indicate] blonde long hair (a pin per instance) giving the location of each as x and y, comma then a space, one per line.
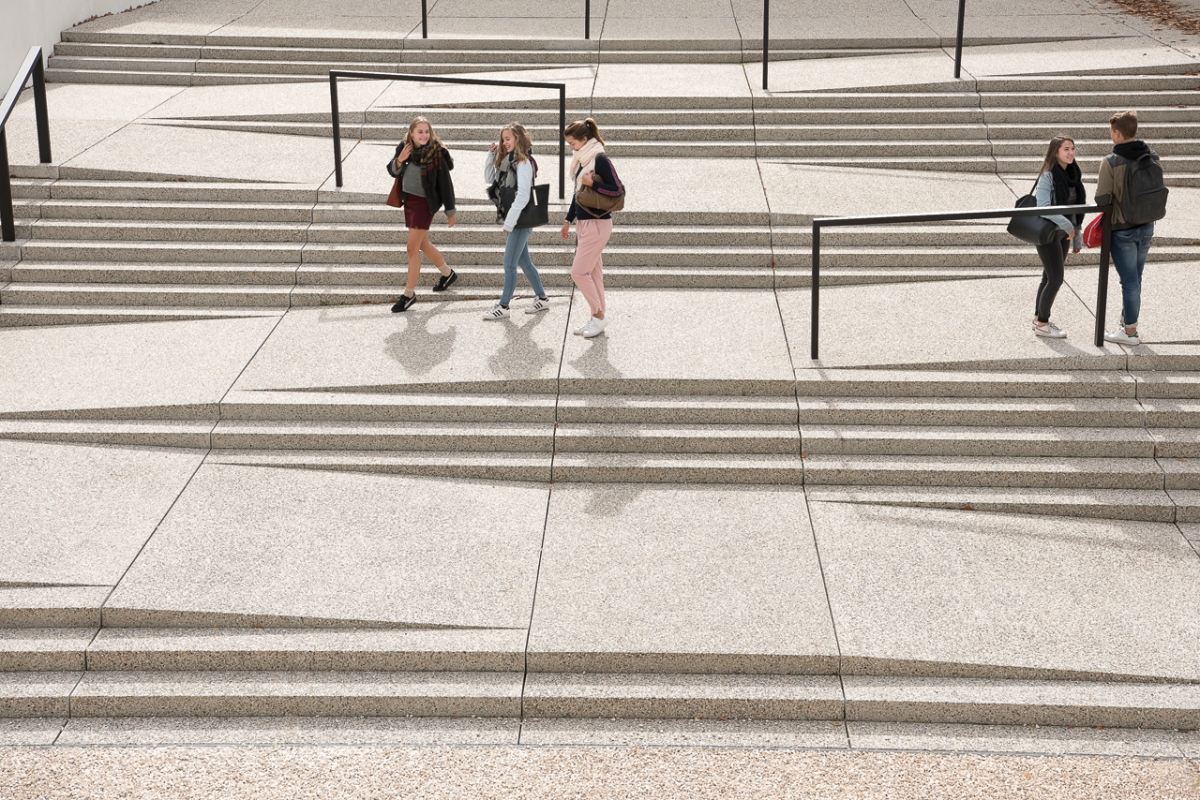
412, 126
523, 145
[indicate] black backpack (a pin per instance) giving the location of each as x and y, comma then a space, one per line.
1145, 197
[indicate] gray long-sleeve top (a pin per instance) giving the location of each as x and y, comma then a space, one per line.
1044, 192
524, 184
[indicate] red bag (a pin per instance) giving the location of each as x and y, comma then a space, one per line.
1094, 232
395, 198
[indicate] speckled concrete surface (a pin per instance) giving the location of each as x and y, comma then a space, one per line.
597, 774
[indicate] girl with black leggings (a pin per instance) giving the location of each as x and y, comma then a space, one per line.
1060, 183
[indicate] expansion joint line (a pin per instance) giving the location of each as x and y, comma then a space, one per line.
546, 520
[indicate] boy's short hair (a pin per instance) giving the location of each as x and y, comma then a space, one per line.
1124, 123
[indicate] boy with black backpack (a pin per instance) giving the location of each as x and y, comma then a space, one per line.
1132, 181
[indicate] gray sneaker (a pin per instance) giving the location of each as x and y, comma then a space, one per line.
1049, 330
1119, 336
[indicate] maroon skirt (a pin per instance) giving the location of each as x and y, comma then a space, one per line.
416, 212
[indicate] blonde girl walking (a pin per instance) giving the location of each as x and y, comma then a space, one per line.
593, 227
422, 164
508, 165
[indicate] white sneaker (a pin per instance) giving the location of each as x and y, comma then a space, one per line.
579, 331
498, 312
539, 304
594, 327
1049, 330
1121, 337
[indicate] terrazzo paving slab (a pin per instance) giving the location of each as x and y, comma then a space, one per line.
922, 591
1068, 57
254, 544
1016, 739
269, 100
740, 348
52, 606
405, 94
683, 733
1168, 310
671, 80
198, 773
81, 115
78, 515
991, 321
857, 72
68, 370
691, 27
29, 731
506, 29
142, 150
425, 731
660, 579
821, 191
446, 344
508, 9
742, 193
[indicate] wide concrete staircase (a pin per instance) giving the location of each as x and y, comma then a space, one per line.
1113, 443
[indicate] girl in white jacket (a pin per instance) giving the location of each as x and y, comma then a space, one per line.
508, 165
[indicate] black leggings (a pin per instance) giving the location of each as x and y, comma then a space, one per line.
1054, 259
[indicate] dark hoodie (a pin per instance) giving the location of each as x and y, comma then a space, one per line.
1110, 187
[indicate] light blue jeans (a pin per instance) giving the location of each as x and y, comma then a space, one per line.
1129, 249
516, 252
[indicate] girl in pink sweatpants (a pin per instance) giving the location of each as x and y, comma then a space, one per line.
593, 227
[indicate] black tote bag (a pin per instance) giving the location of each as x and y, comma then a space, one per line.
1034, 230
536, 212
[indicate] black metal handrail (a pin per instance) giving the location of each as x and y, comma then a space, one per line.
334, 74
31, 68
893, 219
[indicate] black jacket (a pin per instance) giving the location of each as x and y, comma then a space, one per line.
603, 180
438, 192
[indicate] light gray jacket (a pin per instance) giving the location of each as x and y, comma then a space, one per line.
1044, 192
523, 180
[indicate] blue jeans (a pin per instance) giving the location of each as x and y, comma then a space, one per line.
1129, 249
516, 252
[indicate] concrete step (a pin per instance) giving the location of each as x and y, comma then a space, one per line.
1126, 504
1043, 384
1008, 442
974, 412
83, 272
983, 472
411, 436
100, 294
44, 649
271, 646
292, 693
31, 315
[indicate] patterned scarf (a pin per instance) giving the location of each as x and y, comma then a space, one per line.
429, 160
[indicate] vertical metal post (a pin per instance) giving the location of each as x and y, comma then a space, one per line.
816, 287
562, 142
962, 14
424, 22
8, 222
587, 19
766, 39
337, 130
1102, 283
41, 110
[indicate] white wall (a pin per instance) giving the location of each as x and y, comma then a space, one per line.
24, 23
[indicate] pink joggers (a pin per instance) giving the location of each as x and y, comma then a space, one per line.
587, 269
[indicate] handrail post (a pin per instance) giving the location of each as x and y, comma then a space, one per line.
8, 222
587, 19
424, 20
962, 14
1102, 283
816, 286
766, 39
337, 129
562, 142
41, 110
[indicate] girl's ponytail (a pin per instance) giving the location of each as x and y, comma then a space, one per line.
584, 129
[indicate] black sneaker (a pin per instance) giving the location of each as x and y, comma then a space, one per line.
403, 303
444, 282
